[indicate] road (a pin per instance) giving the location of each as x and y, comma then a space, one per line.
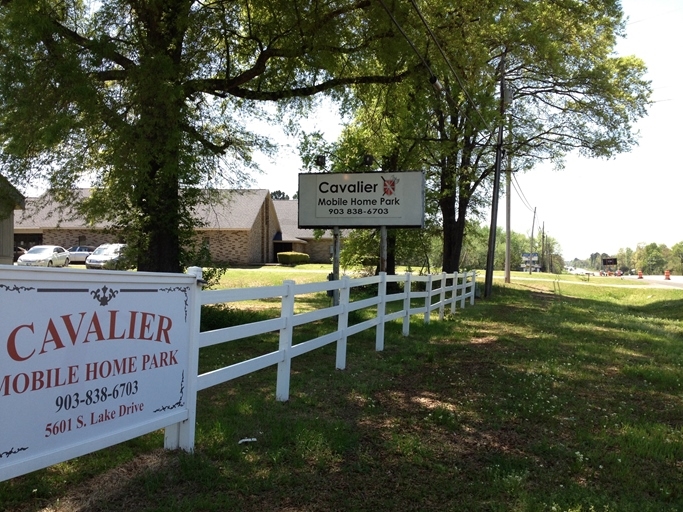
659, 281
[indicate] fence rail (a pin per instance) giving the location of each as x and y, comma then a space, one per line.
141, 347
437, 292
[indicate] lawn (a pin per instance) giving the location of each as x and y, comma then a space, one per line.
551, 395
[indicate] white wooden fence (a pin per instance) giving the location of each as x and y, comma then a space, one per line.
118, 352
441, 291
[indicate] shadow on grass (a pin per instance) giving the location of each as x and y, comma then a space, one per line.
532, 400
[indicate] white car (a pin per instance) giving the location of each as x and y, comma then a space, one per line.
107, 256
45, 256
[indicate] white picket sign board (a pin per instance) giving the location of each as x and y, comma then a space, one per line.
354, 200
88, 359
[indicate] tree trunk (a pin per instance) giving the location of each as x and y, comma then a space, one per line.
159, 249
159, 138
454, 219
450, 244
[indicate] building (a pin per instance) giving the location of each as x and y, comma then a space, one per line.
301, 240
10, 200
240, 227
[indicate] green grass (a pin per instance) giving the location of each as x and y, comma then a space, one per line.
551, 395
273, 275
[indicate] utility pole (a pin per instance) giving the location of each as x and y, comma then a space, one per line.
531, 243
543, 261
490, 256
508, 209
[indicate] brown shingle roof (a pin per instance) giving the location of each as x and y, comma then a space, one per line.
288, 215
232, 209
46, 212
227, 209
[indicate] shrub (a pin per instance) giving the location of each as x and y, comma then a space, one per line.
201, 257
219, 316
292, 258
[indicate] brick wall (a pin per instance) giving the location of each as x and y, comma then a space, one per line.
68, 237
230, 247
319, 250
261, 246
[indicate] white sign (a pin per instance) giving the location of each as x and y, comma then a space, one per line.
88, 359
361, 199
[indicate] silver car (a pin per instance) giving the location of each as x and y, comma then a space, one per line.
45, 256
78, 253
108, 256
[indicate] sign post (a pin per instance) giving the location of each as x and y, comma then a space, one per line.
336, 248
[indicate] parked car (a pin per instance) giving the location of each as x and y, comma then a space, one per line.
78, 253
107, 256
45, 256
19, 251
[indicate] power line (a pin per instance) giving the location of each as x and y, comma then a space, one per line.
432, 77
410, 42
520, 193
448, 63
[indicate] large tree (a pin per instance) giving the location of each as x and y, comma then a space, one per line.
146, 99
569, 90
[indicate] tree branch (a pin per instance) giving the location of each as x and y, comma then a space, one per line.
215, 148
101, 48
221, 88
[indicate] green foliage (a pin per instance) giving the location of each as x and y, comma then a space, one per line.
360, 250
651, 258
219, 316
279, 195
676, 258
200, 256
415, 249
150, 102
293, 258
570, 94
625, 259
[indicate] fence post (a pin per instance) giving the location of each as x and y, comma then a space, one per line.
428, 300
463, 296
343, 321
406, 305
474, 286
181, 435
381, 310
454, 293
442, 295
284, 367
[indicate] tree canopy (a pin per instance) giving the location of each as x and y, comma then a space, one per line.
147, 99
564, 90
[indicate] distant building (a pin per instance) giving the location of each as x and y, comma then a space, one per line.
240, 227
10, 200
292, 238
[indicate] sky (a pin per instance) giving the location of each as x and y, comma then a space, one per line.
592, 205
